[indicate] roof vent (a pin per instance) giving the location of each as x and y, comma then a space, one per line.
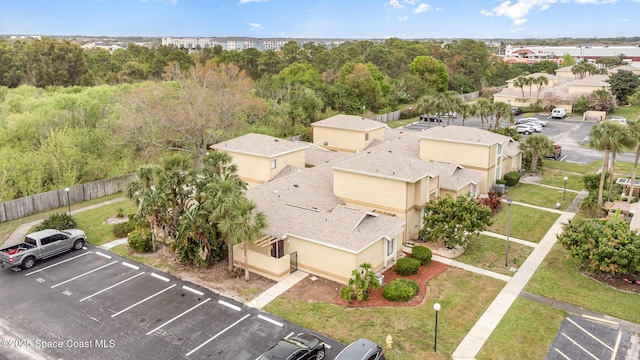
276, 140
295, 185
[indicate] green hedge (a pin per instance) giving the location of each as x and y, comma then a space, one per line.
58, 221
421, 253
512, 178
400, 290
140, 240
122, 230
407, 266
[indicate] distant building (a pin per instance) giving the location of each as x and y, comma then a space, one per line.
241, 43
533, 54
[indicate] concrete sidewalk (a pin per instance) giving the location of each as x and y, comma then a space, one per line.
480, 332
19, 234
278, 289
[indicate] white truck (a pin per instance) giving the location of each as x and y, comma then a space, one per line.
40, 245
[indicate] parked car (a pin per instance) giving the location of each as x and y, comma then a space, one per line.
524, 129
556, 154
559, 113
516, 110
299, 347
542, 123
431, 118
619, 119
40, 245
361, 349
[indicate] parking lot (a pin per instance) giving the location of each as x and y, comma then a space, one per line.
94, 304
585, 338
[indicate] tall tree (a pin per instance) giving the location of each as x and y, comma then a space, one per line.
603, 137
244, 225
520, 82
536, 146
634, 128
500, 111
484, 108
541, 81
432, 71
623, 83
200, 107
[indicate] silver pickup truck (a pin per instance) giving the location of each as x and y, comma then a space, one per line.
41, 244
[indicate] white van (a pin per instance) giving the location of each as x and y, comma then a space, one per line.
559, 113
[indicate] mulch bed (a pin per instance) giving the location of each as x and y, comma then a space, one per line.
422, 277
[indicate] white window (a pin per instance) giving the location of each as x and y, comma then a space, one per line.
366, 137
498, 172
390, 243
273, 163
499, 149
474, 190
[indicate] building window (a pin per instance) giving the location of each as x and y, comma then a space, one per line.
273, 163
474, 190
277, 249
499, 149
390, 247
498, 172
366, 137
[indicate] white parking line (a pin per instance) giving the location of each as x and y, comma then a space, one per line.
218, 334
131, 265
81, 275
192, 290
112, 286
590, 334
615, 348
56, 264
160, 277
562, 354
141, 301
103, 255
222, 302
580, 346
277, 323
176, 317
290, 334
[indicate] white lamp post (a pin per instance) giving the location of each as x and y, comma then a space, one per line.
68, 202
506, 257
436, 307
564, 193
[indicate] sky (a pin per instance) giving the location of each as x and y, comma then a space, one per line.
358, 19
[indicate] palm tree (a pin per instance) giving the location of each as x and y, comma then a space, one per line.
196, 236
626, 142
500, 110
176, 172
634, 128
605, 136
520, 82
466, 110
541, 81
528, 81
221, 195
448, 102
537, 145
244, 225
427, 103
483, 109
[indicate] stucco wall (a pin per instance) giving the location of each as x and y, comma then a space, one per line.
384, 194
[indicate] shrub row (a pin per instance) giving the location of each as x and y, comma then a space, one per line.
400, 290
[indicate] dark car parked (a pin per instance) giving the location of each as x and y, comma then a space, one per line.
300, 347
430, 118
516, 110
362, 349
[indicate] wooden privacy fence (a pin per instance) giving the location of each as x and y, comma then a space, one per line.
34, 204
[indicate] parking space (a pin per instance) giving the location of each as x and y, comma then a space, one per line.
94, 304
589, 338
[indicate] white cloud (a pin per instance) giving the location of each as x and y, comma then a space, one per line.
411, 2
250, 1
624, 20
517, 10
255, 27
395, 4
172, 2
403, 18
422, 8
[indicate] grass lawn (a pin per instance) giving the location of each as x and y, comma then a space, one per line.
398, 123
92, 222
559, 279
555, 177
463, 297
630, 112
488, 253
539, 195
526, 223
525, 332
7, 228
571, 167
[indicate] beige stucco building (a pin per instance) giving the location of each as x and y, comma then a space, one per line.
355, 207
347, 133
261, 158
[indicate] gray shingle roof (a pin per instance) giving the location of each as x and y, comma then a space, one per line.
349, 122
315, 155
346, 228
464, 134
260, 145
388, 164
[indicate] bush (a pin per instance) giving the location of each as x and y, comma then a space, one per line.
422, 254
122, 230
400, 290
512, 178
57, 221
493, 201
359, 284
140, 240
407, 266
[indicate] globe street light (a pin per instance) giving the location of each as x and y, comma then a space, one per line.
506, 258
564, 193
436, 307
68, 202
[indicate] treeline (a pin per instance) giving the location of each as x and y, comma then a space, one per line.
69, 115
